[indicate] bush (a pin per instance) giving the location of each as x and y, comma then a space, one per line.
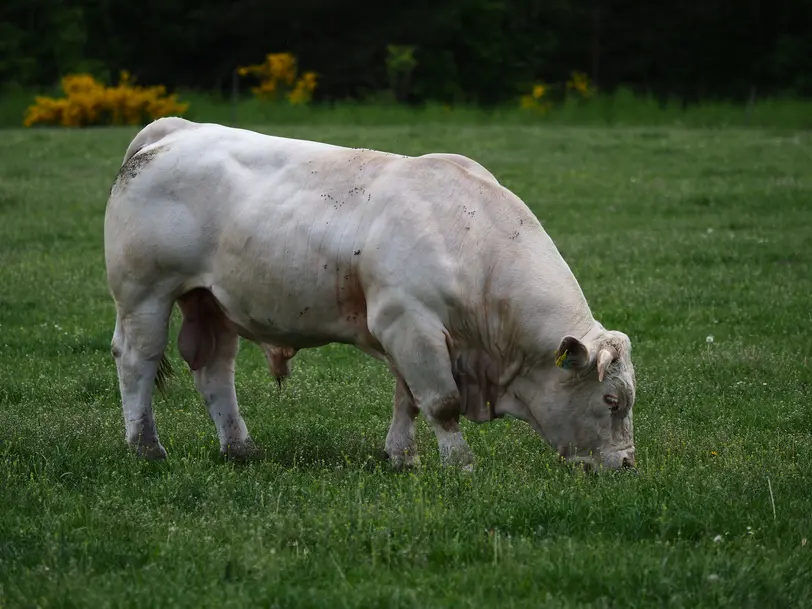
89, 102
278, 74
542, 97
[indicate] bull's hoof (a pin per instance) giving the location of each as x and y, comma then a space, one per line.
404, 461
402, 458
150, 452
460, 456
247, 450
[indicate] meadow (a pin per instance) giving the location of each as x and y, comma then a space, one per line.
697, 242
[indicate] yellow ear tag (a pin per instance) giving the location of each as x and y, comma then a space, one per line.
561, 361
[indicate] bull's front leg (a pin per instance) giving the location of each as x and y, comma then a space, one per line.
415, 343
400, 444
444, 417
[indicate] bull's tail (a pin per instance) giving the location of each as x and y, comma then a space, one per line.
165, 372
151, 134
155, 132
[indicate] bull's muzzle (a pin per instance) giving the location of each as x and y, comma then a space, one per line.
615, 460
619, 459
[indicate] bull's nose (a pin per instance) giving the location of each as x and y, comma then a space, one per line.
628, 463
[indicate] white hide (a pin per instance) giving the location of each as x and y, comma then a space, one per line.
426, 263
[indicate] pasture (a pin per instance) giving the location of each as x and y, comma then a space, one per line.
675, 235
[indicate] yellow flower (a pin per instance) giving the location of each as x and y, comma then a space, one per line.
266, 90
538, 91
278, 76
579, 82
282, 66
297, 96
308, 81
527, 102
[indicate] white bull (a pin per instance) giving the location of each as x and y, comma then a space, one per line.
426, 263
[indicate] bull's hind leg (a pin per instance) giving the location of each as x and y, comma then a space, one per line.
138, 346
209, 345
415, 343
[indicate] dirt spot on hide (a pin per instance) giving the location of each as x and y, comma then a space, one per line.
134, 165
350, 297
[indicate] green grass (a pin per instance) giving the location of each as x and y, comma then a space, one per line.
674, 235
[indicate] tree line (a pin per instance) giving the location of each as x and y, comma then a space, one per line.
472, 51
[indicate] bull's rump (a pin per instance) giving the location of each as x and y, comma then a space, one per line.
292, 238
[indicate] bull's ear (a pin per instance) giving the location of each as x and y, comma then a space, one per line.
572, 354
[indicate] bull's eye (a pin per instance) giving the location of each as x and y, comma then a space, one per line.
611, 401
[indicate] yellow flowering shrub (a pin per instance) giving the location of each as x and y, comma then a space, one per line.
278, 75
534, 101
580, 82
537, 100
89, 102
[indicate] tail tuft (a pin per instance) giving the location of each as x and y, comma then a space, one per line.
165, 372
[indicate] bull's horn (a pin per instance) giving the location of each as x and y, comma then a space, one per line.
605, 357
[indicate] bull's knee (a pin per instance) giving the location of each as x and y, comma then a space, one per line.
445, 411
117, 341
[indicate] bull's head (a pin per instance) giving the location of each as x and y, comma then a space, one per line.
581, 399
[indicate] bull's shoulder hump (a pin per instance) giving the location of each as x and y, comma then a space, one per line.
443, 169
462, 161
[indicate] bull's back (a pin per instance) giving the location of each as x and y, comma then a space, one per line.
291, 236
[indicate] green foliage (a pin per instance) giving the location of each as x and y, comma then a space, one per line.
621, 108
674, 234
41, 40
400, 63
469, 51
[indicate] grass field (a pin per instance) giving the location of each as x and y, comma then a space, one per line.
675, 236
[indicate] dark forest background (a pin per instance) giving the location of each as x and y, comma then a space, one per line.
471, 51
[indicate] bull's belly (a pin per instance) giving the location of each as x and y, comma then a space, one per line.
299, 311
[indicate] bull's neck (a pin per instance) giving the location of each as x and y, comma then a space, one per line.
531, 307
